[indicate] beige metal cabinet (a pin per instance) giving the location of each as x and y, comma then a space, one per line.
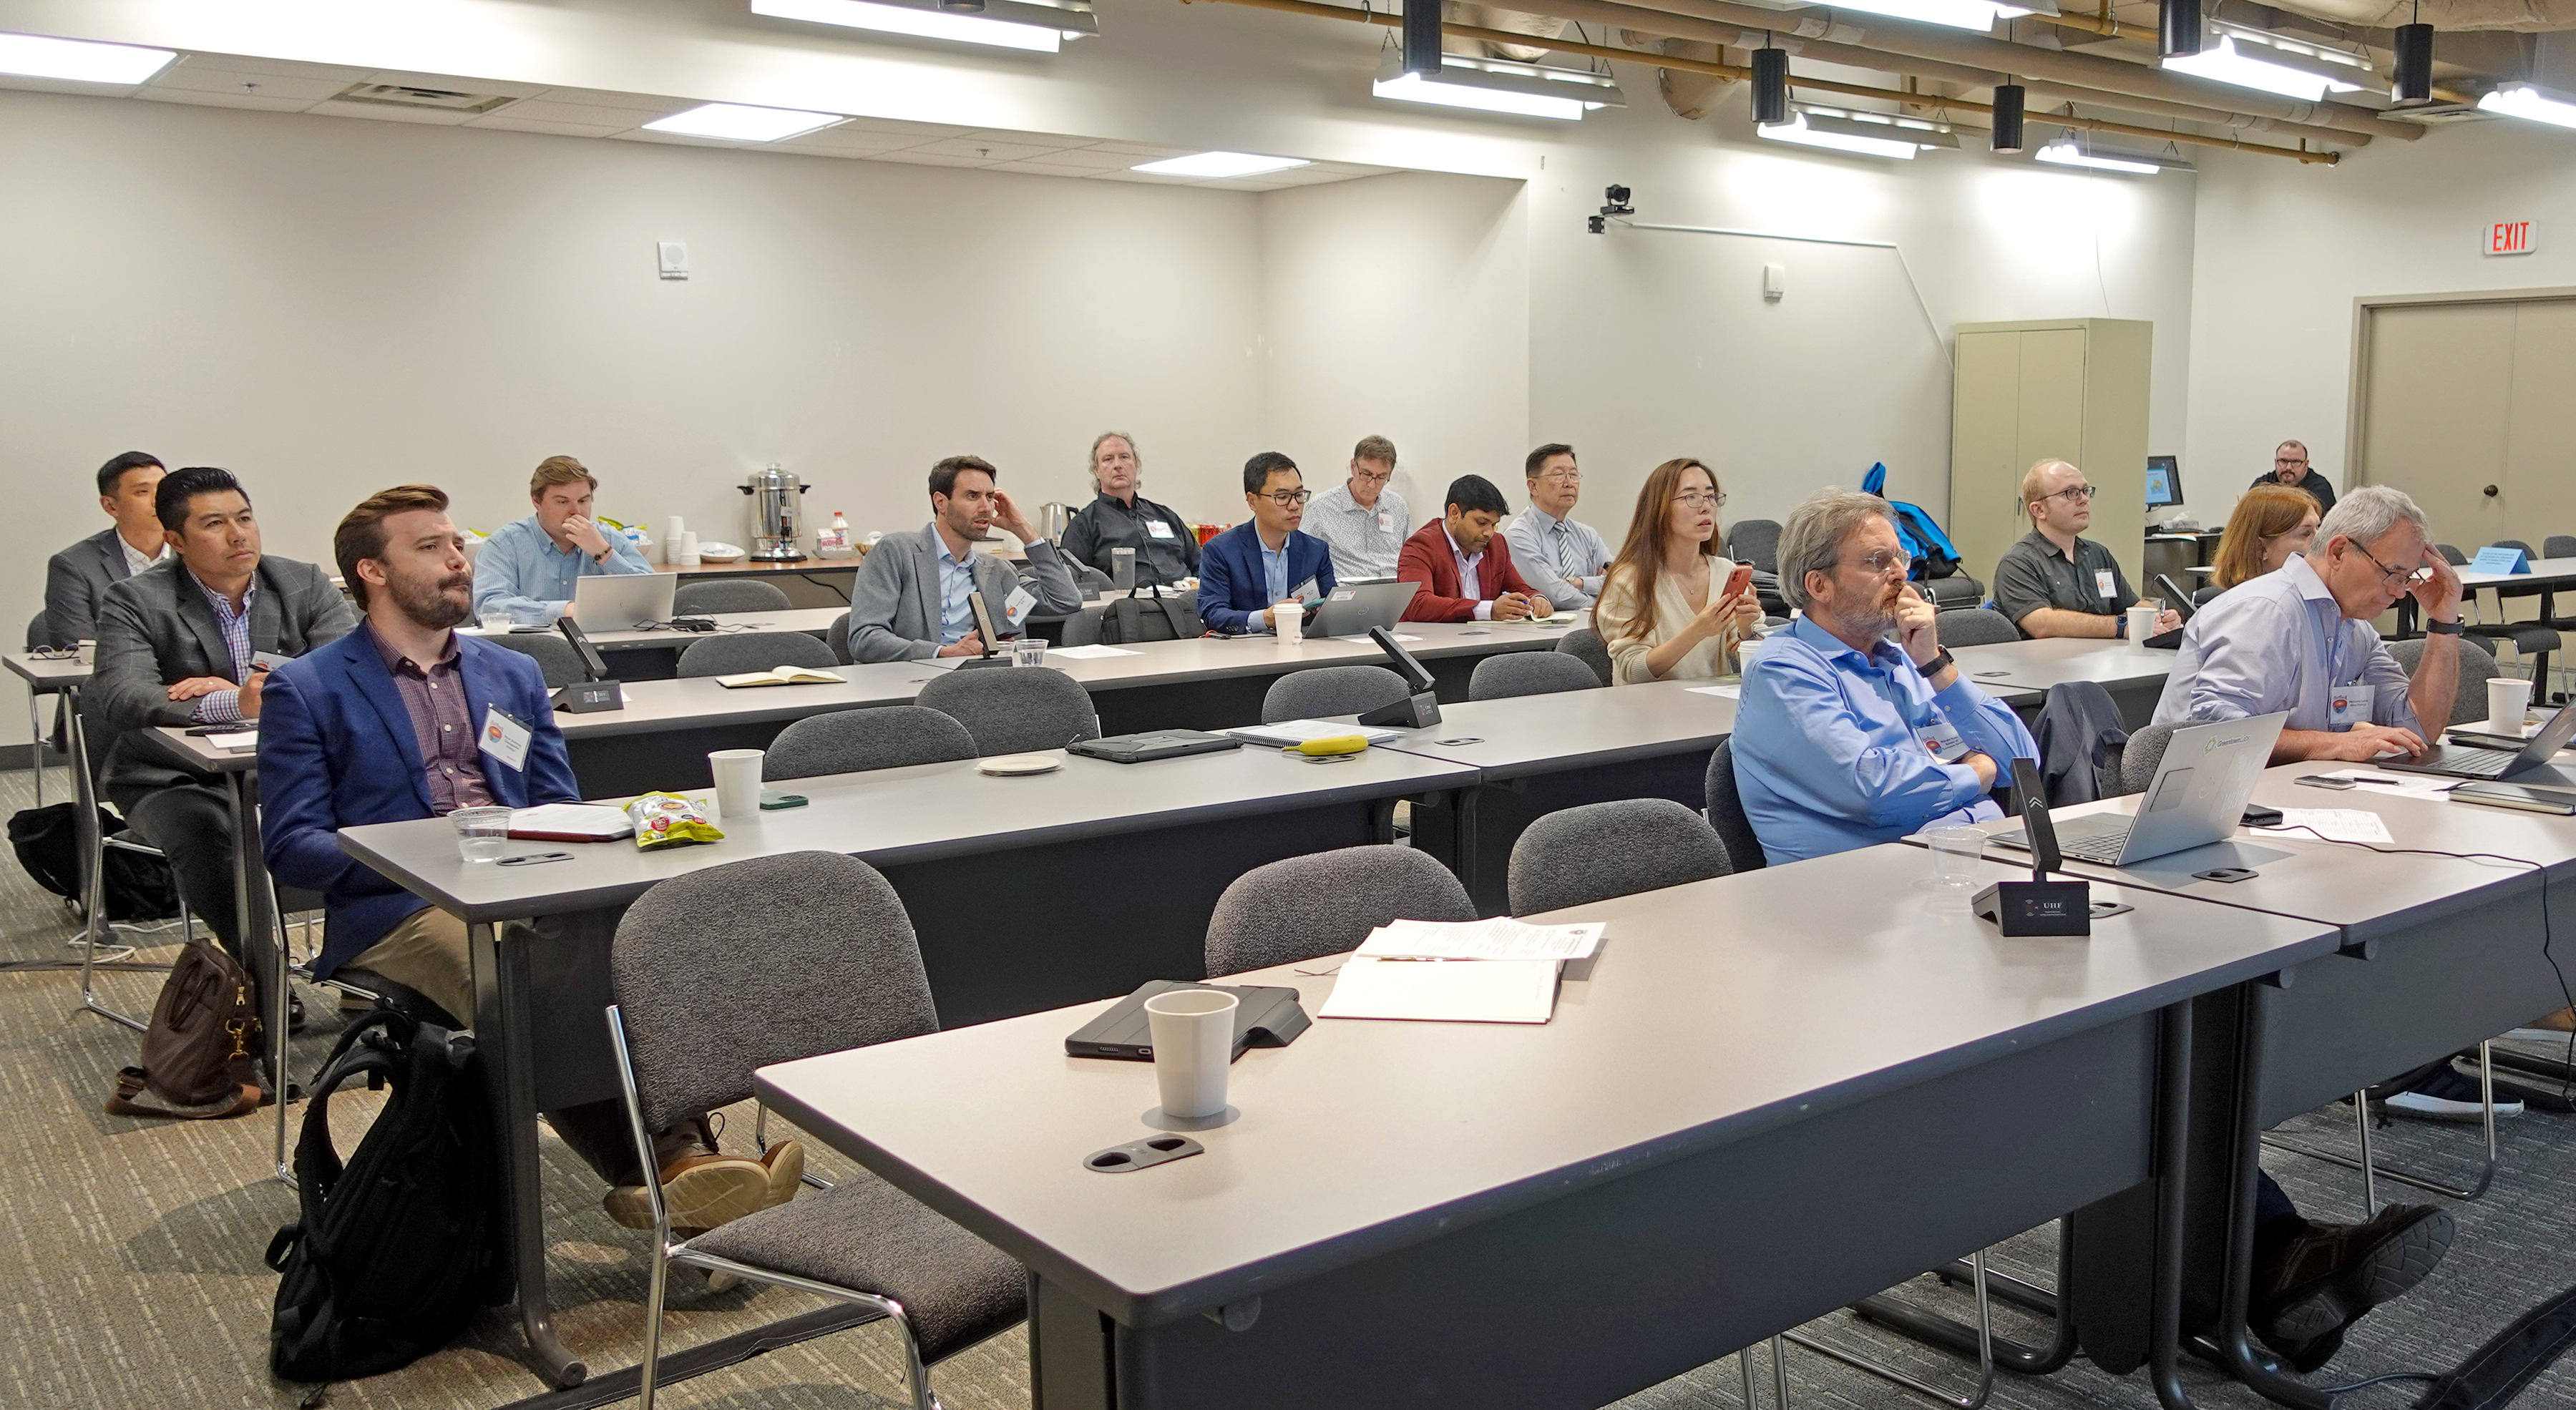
2074, 389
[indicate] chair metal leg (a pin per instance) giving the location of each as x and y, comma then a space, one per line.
1985, 1351
1959, 1338
2370, 1170
93, 851
36, 743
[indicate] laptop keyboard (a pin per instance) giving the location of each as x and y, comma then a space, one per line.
2085, 839
2479, 763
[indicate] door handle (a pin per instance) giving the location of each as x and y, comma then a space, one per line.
2490, 492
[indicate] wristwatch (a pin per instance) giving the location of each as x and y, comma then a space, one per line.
2445, 628
1937, 664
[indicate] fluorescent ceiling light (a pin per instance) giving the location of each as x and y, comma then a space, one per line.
34, 56
2229, 64
733, 122
2524, 101
1209, 166
1499, 86
2064, 152
1007, 25
1806, 136
1979, 15
1882, 127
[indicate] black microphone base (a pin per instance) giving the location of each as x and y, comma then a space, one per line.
1417, 712
584, 697
2037, 907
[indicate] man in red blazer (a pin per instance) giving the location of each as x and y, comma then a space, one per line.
1464, 567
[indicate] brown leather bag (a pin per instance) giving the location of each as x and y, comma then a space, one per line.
202, 1050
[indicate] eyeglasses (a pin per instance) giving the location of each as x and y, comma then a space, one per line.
2395, 577
1373, 477
1561, 477
1288, 499
1886, 561
2289, 460
2075, 494
1703, 499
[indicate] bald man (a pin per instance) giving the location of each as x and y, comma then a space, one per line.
2054, 582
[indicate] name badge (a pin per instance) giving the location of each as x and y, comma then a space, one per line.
1943, 741
1305, 592
2103, 585
504, 738
1157, 529
2349, 706
1017, 605
1385, 521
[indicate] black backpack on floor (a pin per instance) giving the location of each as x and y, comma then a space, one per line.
394, 1252
47, 841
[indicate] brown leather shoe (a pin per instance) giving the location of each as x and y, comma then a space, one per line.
786, 1165
2325, 1279
700, 1191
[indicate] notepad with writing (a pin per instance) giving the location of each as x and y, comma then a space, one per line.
1444, 991
784, 675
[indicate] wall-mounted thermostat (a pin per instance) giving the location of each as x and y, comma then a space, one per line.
673, 256
1775, 282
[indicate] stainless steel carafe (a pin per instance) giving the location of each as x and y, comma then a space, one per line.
773, 514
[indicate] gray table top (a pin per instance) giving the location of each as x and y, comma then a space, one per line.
2438, 825
1570, 729
2037, 665
917, 813
43, 676
813, 621
2545, 572
1715, 1012
193, 751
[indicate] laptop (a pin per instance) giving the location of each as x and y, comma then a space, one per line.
2470, 761
1350, 609
2197, 797
623, 601
1151, 745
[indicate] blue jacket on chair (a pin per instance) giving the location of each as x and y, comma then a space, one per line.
1234, 590
336, 750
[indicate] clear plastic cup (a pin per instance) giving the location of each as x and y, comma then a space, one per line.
1956, 851
482, 834
1028, 651
496, 619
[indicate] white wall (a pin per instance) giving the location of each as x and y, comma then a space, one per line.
2283, 259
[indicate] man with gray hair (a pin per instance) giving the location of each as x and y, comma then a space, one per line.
1855, 727
2300, 640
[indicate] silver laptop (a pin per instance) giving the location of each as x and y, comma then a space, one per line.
2470, 761
623, 601
2197, 797
1350, 609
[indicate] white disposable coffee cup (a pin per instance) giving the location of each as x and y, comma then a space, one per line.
87, 652
2142, 622
737, 774
2508, 700
686, 555
1290, 619
1745, 651
1193, 1033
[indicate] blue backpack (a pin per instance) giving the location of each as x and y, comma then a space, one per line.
1935, 556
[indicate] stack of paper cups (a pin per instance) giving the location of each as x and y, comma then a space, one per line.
671, 528
686, 555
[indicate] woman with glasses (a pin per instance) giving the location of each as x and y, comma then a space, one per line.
1664, 613
2054, 581
2271, 523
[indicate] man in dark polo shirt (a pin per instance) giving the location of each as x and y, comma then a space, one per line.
2290, 467
1167, 550
2055, 582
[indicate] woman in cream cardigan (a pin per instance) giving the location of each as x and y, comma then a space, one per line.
1658, 614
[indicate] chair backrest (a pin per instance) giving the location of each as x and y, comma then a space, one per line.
2140, 757
1324, 903
555, 656
1755, 541
855, 741
838, 638
761, 961
1013, 711
37, 635
1529, 673
727, 595
1083, 627
1973, 626
2202, 597
2558, 546
1726, 811
1576, 856
1585, 645
754, 651
2469, 702
2451, 555
1330, 690
2515, 544
1092, 581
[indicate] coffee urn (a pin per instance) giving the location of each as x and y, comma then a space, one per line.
773, 515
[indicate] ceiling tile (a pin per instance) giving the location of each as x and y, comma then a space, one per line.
1145, 153
982, 148
559, 129
1092, 158
257, 101
846, 138
1041, 169
280, 68
920, 129
211, 80
601, 98
579, 114
387, 112
928, 159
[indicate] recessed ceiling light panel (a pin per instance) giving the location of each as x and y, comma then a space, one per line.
736, 122
79, 60
1211, 166
1007, 24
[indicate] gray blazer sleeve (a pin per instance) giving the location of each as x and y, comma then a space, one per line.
876, 601
317, 611
125, 689
71, 600
1058, 594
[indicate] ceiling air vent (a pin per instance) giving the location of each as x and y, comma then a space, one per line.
403, 95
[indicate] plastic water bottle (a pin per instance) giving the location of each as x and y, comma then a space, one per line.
834, 542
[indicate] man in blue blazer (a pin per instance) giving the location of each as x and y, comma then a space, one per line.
403, 719
1249, 569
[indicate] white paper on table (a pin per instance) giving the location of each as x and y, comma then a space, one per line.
1444, 991
1494, 938
1090, 653
597, 821
239, 743
2427, 786
1365, 639
1730, 692
1288, 732
2334, 825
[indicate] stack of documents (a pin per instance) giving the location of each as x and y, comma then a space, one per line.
1480, 971
571, 822
1288, 734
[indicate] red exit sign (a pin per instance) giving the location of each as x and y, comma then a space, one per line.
2513, 237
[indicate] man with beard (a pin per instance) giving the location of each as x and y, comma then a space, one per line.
404, 719
909, 601
1855, 727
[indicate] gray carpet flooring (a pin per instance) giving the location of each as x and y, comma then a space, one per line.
134, 1254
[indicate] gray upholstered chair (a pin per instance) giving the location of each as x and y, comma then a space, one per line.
2140, 757
1576, 856
731, 654
838, 638
1755, 541
770, 960
1585, 645
1330, 690
1013, 711
2469, 702
555, 656
1093, 583
855, 741
2203, 596
37, 632
1529, 673
2558, 546
727, 595
1325, 903
1973, 626
1082, 628
1726, 811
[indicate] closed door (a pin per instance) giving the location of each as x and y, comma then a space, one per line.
2540, 435
1985, 432
2439, 401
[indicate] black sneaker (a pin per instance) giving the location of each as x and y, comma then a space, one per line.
2328, 1277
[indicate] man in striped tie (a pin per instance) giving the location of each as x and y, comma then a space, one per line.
1562, 558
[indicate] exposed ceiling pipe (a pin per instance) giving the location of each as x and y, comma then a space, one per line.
2083, 70
1741, 74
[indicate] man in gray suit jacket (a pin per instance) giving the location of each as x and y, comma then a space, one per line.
80, 575
189, 641
909, 602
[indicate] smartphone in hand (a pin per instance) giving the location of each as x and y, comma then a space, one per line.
1738, 581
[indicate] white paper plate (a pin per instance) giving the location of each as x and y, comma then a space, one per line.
1016, 764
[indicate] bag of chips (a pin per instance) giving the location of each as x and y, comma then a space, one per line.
669, 820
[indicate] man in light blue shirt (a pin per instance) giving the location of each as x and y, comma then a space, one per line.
1855, 727
1561, 556
528, 566
2300, 640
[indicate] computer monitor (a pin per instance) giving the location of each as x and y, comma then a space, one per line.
2164, 482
